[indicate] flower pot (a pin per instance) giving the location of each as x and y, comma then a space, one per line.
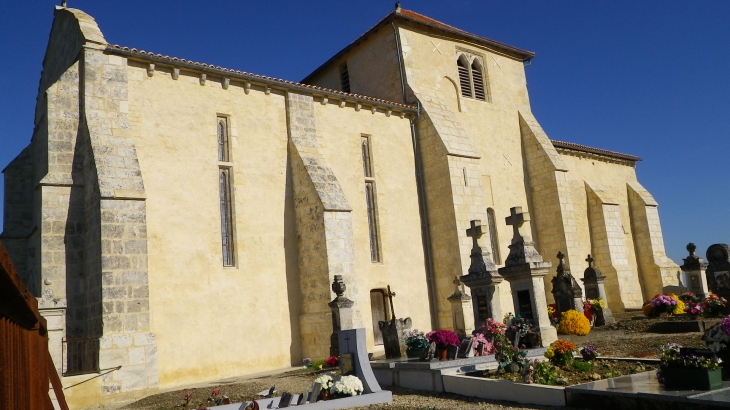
443, 353
325, 395
414, 352
691, 378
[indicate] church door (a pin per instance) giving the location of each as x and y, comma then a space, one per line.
377, 306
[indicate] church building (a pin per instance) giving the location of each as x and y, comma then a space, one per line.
185, 221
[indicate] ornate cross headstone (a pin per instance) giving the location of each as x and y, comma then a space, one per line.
393, 340
718, 269
482, 278
593, 282
525, 271
695, 268
566, 291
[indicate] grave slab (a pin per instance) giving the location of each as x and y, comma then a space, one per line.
643, 391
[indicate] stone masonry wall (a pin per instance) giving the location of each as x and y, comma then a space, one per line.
656, 270
18, 216
324, 229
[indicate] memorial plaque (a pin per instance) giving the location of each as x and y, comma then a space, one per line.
592, 292
482, 307
722, 281
316, 389
302, 398
285, 400
347, 368
466, 348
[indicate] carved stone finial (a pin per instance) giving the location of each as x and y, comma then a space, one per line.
590, 260
691, 249
338, 286
397, 5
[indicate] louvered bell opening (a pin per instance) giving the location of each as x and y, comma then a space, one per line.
464, 79
476, 72
345, 79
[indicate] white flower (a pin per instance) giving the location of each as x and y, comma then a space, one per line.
326, 380
347, 386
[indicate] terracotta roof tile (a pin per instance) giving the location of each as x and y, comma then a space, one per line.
114, 48
585, 148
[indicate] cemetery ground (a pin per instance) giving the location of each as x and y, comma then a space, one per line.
627, 338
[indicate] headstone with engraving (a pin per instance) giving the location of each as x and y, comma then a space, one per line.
341, 313
718, 269
392, 330
593, 282
482, 279
696, 268
566, 291
525, 271
352, 343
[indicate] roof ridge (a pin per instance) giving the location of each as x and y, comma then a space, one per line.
173, 60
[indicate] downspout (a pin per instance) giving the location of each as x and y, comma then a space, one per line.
422, 206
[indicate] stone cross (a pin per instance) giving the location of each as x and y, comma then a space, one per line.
590, 260
475, 232
517, 218
390, 298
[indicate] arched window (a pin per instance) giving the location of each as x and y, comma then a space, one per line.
491, 220
464, 81
477, 80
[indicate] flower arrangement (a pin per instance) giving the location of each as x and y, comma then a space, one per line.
326, 380
415, 340
482, 345
598, 304
520, 326
573, 322
492, 328
714, 306
507, 354
689, 297
679, 309
672, 357
588, 310
443, 338
589, 352
560, 352
662, 303
553, 313
717, 337
332, 361
347, 386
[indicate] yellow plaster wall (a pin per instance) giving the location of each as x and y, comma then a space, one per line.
339, 132
212, 321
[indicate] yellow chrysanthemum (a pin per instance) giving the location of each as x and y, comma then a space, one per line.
647, 309
573, 322
679, 309
550, 352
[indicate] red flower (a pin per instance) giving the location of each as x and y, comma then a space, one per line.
332, 361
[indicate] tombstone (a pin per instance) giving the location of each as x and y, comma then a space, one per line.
482, 279
695, 268
718, 269
566, 291
393, 339
285, 400
466, 348
352, 344
460, 302
525, 271
593, 282
341, 313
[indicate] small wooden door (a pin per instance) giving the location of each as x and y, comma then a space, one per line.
377, 306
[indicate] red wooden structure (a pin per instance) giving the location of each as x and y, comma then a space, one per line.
26, 367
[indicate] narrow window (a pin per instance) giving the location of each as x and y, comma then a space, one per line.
222, 140
344, 78
224, 187
493, 236
371, 203
464, 82
476, 72
226, 217
372, 222
366, 165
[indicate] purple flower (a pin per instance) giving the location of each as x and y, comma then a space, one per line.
725, 324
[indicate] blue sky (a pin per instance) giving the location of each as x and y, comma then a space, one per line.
648, 78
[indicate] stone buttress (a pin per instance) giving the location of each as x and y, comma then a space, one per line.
87, 249
324, 229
